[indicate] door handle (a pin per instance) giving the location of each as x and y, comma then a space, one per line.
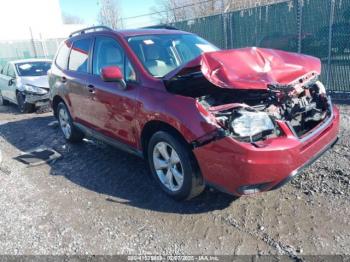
63, 79
91, 89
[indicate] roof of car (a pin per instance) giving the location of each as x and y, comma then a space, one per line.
128, 32
29, 60
137, 32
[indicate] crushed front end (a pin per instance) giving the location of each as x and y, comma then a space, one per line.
263, 144
38, 96
272, 114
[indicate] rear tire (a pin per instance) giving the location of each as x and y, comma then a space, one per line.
22, 105
3, 101
71, 133
173, 166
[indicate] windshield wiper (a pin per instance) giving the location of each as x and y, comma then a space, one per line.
192, 75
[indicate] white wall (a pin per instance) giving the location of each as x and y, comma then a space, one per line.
42, 16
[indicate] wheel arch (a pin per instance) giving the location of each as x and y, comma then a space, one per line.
154, 126
55, 102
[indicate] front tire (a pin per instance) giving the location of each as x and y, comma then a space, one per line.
174, 167
70, 132
23, 106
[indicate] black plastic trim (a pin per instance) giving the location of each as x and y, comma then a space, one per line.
108, 140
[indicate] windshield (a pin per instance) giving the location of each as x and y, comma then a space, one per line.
33, 68
161, 54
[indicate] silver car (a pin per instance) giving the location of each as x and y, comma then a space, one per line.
25, 83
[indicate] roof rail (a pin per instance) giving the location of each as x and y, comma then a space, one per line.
169, 27
93, 29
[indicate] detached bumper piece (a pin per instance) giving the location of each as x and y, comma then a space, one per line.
38, 156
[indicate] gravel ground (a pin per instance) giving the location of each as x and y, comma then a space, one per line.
99, 200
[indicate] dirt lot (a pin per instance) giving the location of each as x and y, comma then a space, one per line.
98, 200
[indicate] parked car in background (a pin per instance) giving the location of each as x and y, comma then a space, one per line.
25, 83
243, 121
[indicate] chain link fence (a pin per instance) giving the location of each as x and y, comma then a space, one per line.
319, 28
13, 50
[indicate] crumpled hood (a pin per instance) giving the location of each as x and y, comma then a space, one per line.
251, 68
39, 81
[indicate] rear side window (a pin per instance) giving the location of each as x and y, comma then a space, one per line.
62, 56
79, 55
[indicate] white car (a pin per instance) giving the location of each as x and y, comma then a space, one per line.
25, 83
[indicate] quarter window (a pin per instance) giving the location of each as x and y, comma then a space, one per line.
62, 56
79, 56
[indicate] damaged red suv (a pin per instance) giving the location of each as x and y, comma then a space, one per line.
243, 121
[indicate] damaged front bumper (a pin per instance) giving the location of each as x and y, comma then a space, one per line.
37, 100
245, 168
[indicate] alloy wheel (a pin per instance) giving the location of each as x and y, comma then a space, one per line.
65, 123
168, 166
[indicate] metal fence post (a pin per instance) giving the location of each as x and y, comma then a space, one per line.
33, 43
330, 36
224, 21
300, 4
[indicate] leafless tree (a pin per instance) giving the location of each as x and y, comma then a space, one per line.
110, 14
72, 19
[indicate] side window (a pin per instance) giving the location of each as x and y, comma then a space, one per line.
79, 56
62, 55
107, 52
11, 71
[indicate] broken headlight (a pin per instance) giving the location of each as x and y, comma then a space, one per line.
34, 89
248, 124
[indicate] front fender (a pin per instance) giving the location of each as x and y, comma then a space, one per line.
178, 111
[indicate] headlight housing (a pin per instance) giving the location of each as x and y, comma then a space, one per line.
34, 89
248, 124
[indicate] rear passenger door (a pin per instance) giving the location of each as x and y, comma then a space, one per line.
76, 80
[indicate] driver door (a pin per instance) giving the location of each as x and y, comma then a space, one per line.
112, 107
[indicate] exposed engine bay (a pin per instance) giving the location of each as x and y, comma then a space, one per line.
248, 92
252, 115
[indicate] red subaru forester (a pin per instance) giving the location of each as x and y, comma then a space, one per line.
243, 121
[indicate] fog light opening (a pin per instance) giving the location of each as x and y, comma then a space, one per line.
253, 189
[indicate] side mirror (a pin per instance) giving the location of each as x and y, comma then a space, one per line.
113, 74
11, 82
